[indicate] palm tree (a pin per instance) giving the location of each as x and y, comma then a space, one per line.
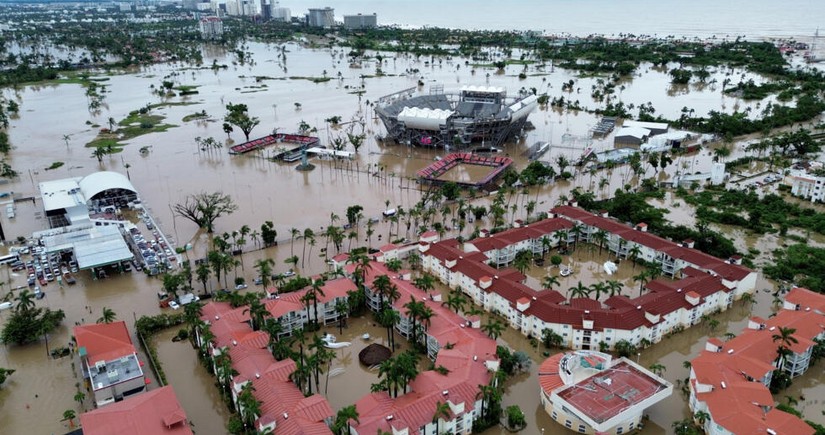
614, 287
264, 268
577, 231
442, 411
108, 316
700, 417
390, 318
308, 235
341, 311
657, 369
493, 328
549, 281
192, 313
316, 290
455, 301
634, 253
25, 301
202, 271
599, 288
342, 419
600, 237
99, 153
784, 336
257, 313
69, 415
425, 282
79, 397
642, 278
293, 260
522, 261
249, 406
579, 291
414, 309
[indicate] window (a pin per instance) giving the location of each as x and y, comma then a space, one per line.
581, 428
568, 424
619, 430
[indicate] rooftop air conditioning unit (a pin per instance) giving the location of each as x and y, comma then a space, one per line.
389, 417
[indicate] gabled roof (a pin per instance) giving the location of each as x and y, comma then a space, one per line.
156, 412
104, 341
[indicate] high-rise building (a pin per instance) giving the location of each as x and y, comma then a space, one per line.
211, 27
321, 17
360, 21
278, 13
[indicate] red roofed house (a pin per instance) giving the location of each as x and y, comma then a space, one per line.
453, 343
108, 361
156, 412
668, 306
730, 380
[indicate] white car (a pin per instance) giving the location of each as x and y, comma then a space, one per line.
240, 286
173, 305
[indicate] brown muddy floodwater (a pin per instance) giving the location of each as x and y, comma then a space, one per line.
34, 398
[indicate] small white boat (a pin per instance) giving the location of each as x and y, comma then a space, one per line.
610, 267
338, 345
331, 342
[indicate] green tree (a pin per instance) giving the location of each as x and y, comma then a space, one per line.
237, 115
341, 425
442, 412
108, 316
551, 339
550, 281
203, 209
69, 415
657, 369
784, 336
493, 328
202, 271
5, 373
579, 291
455, 301
26, 326
625, 348
264, 267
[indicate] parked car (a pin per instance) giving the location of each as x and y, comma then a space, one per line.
240, 286
173, 305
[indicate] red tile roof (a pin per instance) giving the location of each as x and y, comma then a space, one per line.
104, 341
806, 299
724, 269
752, 353
466, 361
156, 412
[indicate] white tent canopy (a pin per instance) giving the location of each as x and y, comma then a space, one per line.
97, 182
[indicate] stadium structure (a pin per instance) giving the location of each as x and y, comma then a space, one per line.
448, 119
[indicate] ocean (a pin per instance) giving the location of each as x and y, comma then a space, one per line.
753, 19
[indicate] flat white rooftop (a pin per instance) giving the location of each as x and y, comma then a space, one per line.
63, 193
93, 246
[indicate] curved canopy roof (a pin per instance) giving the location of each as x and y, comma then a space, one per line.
98, 182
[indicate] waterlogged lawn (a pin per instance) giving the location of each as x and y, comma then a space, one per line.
134, 125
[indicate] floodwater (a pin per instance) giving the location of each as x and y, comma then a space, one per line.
381, 174
195, 387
